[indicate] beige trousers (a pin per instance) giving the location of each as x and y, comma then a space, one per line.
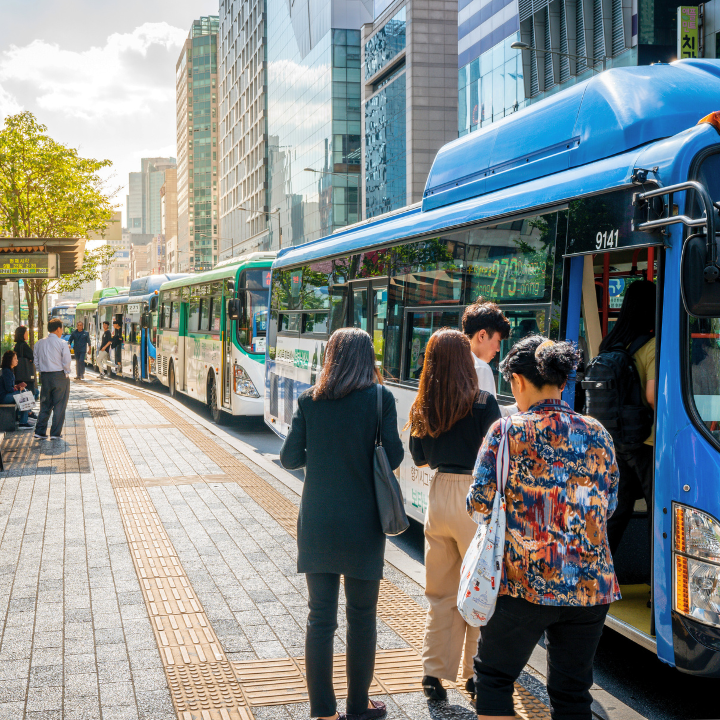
448, 533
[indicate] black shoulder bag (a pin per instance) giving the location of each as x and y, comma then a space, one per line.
388, 495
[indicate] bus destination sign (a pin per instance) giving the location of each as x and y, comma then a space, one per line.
604, 223
31, 265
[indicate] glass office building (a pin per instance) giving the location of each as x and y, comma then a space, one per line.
314, 119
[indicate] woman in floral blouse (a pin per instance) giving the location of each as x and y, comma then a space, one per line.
558, 578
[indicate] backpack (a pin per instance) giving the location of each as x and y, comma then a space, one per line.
614, 395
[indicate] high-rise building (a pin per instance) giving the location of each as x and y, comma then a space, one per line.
314, 116
143, 199
117, 273
168, 219
409, 99
496, 80
139, 255
197, 178
243, 127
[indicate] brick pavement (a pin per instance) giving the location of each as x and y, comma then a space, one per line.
142, 554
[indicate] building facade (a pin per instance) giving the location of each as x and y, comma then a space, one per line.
117, 273
314, 117
139, 255
243, 127
409, 99
168, 217
143, 199
197, 148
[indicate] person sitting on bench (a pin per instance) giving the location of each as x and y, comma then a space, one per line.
10, 388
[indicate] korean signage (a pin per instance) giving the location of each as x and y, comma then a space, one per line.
32, 265
687, 32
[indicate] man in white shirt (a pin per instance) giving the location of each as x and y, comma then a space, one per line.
52, 359
486, 327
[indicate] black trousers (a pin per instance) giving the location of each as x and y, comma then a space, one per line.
361, 611
80, 364
636, 481
507, 641
54, 396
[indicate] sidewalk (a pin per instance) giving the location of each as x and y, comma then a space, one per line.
147, 570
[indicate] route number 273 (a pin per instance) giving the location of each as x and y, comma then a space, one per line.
607, 239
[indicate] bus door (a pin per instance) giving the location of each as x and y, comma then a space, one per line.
368, 311
605, 255
227, 345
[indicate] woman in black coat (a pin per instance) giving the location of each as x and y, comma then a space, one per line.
332, 435
25, 370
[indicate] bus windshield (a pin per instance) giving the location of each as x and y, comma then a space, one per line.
252, 325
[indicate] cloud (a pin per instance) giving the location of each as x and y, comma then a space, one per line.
8, 104
130, 75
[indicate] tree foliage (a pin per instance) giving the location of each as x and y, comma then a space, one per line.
48, 191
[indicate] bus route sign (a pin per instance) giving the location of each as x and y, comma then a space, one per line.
603, 223
30, 265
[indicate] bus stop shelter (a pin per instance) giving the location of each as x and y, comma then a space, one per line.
28, 259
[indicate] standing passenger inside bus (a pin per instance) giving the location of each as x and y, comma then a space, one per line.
448, 422
104, 351
635, 331
486, 327
332, 435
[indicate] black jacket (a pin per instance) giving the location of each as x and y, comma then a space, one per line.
338, 527
106, 338
79, 340
456, 450
116, 338
25, 370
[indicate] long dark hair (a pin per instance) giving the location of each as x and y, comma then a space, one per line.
541, 361
20, 333
448, 385
349, 365
7, 357
637, 316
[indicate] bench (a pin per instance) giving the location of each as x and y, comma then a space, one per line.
8, 423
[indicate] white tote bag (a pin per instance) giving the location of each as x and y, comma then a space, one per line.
482, 566
24, 400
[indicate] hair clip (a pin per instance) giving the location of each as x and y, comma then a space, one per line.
542, 346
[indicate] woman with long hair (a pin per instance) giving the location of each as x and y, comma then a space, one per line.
25, 370
448, 422
10, 387
332, 435
558, 576
635, 331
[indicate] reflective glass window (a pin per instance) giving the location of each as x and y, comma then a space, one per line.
421, 325
194, 315
205, 313
385, 44
315, 323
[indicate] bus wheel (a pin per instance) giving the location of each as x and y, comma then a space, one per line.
171, 381
217, 414
136, 371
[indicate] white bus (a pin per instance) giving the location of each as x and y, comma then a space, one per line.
211, 330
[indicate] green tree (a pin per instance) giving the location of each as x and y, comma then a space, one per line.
48, 191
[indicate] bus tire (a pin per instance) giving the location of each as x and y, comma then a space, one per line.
171, 381
136, 371
217, 414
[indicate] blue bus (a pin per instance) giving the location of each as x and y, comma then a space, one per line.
552, 213
134, 312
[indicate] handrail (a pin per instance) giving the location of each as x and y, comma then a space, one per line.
712, 271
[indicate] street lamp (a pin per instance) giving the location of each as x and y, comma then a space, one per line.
268, 212
355, 175
518, 45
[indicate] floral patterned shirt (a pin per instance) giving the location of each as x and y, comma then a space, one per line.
561, 488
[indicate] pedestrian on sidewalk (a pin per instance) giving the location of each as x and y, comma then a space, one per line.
116, 345
10, 387
559, 578
25, 370
448, 421
79, 341
52, 357
332, 436
104, 352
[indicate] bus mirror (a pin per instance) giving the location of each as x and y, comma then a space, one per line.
700, 279
235, 308
145, 320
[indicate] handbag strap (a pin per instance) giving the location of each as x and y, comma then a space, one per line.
502, 464
378, 431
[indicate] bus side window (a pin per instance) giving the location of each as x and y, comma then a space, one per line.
194, 315
215, 306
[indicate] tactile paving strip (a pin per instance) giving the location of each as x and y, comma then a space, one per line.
202, 683
395, 608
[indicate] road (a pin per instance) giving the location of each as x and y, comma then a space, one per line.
624, 669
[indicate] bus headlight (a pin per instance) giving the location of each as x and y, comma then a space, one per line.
242, 384
697, 582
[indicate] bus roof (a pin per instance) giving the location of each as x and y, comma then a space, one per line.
701, 79
109, 292
114, 300
86, 306
607, 115
226, 269
150, 283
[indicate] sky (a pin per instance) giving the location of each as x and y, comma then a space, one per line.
99, 74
